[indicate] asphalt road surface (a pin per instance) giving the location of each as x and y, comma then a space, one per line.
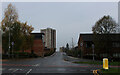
51, 64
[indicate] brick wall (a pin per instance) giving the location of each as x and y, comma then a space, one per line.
38, 47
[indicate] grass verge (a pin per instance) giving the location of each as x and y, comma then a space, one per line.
111, 71
98, 63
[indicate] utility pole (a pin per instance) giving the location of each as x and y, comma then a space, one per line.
81, 45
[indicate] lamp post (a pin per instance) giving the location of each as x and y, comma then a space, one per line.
9, 43
93, 51
12, 49
9, 23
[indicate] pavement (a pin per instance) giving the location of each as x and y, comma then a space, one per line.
74, 59
54, 64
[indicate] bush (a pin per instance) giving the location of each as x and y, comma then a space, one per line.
49, 53
73, 52
19, 55
4, 56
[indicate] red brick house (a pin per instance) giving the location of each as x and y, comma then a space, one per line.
85, 43
38, 44
84, 40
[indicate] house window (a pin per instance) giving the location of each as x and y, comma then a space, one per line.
104, 55
116, 55
116, 44
88, 45
43, 38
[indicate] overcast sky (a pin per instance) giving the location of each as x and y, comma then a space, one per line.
68, 18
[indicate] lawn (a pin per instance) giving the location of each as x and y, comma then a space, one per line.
111, 71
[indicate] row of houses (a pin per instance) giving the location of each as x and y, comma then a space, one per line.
86, 44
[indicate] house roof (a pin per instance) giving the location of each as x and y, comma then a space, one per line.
87, 37
90, 37
37, 35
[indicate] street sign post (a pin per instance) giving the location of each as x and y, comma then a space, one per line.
93, 51
12, 48
81, 44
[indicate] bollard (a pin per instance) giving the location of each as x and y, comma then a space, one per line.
105, 63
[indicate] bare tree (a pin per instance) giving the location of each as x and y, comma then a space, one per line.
105, 25
102, 30
10, 17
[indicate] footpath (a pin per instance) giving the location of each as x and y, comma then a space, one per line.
74, 59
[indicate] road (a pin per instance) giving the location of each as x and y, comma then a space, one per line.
50, 64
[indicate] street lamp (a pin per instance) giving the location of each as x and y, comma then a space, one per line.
12, 48
93, 51
9, 23
9, 37
9, 43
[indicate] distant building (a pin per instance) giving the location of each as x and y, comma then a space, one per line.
49, 38
86, 40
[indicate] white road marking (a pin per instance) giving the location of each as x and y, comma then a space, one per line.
21, 69
15, 70
61, 69
12, 69
29, 71
36, 65
2, 68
